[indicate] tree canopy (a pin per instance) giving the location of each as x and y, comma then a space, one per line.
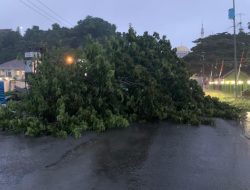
216, 48
13, 43
114, 81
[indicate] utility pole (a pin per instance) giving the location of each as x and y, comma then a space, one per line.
235, 52
203, 58
203, 69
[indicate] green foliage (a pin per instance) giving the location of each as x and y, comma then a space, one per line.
12, 44
125, 79
216, 48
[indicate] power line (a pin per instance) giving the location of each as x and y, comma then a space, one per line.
53, 12
42, 10
37, 11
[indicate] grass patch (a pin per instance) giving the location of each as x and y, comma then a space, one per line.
240, 102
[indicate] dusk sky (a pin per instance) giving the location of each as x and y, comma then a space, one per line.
179, 20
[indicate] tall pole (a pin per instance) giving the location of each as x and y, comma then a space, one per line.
235, 53
203, 70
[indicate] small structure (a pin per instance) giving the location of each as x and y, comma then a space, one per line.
13, 69
230, 76
32, 59
182, 51
198, 79
227, 82
2, 95
12, 73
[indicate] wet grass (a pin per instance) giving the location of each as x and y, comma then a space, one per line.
240, 102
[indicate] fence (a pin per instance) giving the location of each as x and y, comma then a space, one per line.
229, 86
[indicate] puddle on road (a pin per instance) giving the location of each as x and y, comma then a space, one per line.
120, 152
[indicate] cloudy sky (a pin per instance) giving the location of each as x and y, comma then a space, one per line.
179, 20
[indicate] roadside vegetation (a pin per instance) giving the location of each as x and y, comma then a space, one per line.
241, 102
113, 82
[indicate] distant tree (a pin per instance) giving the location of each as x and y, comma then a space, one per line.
98, 28
216, 48
10, 45
56, 27
34, 38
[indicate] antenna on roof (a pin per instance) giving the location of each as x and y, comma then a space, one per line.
202, 31
240, 23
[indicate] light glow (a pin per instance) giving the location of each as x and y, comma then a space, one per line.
232, 82
240, 82
69, 60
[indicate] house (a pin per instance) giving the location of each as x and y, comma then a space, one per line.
242, 78
12, 73
227, 82
14, 69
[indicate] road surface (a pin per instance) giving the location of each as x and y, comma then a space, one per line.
158, 156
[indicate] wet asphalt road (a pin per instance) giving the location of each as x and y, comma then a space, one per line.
148, 157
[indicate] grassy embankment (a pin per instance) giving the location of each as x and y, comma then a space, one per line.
242, 103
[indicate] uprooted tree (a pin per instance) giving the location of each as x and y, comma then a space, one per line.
128, 78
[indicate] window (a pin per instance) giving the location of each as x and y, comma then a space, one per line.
8, 73
1, 72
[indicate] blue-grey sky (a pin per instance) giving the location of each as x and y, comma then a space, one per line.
179, 20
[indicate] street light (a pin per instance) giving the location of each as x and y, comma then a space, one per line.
69, 59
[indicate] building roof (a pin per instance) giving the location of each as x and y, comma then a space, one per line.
13, 65
5, 30
231, 75
182, 49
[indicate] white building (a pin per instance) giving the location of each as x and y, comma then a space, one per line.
182, 51
14, 69
13, 74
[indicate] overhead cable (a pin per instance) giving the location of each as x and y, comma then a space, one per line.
53, 12
43, 11
35, 10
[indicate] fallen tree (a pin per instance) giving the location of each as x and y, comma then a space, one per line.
129, 78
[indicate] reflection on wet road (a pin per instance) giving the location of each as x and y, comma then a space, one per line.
152, 156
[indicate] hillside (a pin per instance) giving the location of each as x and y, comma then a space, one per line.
13, 44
